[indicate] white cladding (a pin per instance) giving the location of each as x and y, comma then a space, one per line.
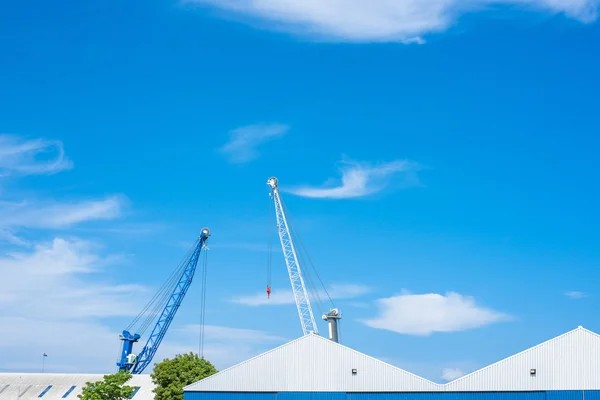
313, 364
22, 386
567, 362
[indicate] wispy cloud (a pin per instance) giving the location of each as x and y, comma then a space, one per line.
225, 333
450, 374
405, 21
54, 215
51, 215
56, 287
361, 179
223, 346
19, 156
576, 295
286, 296
423, 314
243, 142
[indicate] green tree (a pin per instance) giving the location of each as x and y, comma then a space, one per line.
111, 388
171, 375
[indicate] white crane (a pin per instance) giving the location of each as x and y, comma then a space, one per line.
307, 319
305, 313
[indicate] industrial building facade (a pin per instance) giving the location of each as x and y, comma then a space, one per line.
314, 368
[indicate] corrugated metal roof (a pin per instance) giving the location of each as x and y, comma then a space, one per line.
568, 362
21, 386
313, 364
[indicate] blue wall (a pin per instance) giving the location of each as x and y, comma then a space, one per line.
541, 395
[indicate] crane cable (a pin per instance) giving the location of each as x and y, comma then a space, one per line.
204, 266
270, 247
159, 299
311, 286
293, 230
166, 295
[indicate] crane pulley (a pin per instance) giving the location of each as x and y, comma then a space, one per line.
164, 304
299, 288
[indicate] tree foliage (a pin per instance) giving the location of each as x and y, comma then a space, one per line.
112, 387
171, 375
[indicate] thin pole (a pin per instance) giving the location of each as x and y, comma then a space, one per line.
44, 361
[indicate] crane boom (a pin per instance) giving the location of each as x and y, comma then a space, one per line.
137, 364
305, 313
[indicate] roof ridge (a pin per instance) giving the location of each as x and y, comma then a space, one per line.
579, 328
330, 343
379, 361
248, 360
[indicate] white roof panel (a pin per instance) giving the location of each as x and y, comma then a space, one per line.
26, 386
567, 362
313, 364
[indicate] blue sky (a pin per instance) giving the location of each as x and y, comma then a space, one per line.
439, 164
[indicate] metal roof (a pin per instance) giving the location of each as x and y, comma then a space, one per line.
568, 362
313, 364
25, 386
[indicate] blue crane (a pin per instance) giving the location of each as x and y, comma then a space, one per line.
168, 299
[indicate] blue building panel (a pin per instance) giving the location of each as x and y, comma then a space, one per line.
451, 396
229, 396
45, 391
591, 395
500, 395
135, 390
68, 392
564, 395
311, 396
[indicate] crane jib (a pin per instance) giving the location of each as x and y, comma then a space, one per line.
307, 319
169, 297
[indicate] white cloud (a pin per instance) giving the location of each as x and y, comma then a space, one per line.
286, 296
450, 374
381, 20
61, 280
19, 156
52, 215
423, 314
361, 179
223, 346
576, 295
214, 333
57, 290
77, 346
243, 142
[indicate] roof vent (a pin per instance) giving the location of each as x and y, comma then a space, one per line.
353, 371
532, 371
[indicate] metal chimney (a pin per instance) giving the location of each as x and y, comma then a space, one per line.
332, 317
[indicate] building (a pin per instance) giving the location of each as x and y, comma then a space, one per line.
314, 368
17, 386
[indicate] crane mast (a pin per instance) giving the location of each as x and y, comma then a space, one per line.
137, 364
305, 313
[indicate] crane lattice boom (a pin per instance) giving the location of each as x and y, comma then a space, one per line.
305, 313
137, 364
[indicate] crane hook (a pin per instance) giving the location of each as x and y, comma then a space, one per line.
268, 291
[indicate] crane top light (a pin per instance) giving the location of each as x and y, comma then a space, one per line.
272, 182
